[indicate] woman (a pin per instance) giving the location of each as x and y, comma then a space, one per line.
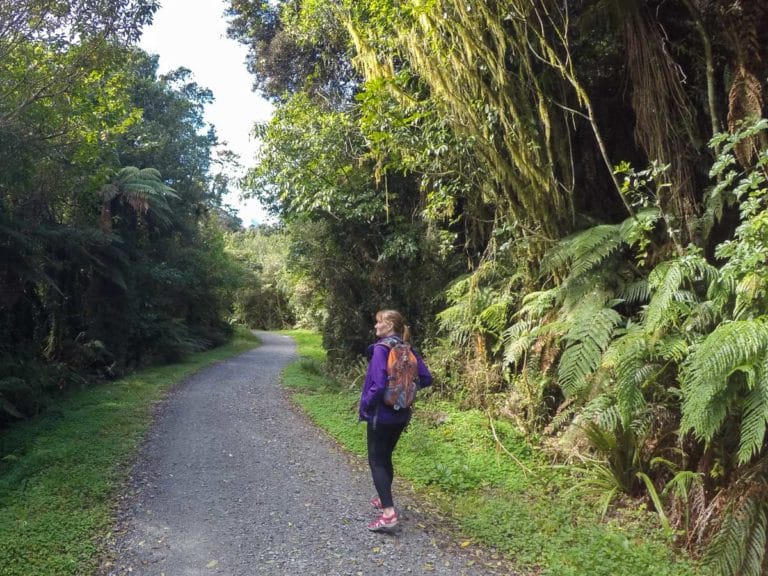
385, 423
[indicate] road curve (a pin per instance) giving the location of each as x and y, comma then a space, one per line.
233, 480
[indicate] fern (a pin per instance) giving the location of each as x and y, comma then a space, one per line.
517, 340
736, 346
673, 348
668, 282
583, 251
537, 304
747, 291
590, 333
636, 292
754, 418
703, 317
738, 548
627, 357
494, 317
666, 279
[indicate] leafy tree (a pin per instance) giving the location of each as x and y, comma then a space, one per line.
263, 298
106, 187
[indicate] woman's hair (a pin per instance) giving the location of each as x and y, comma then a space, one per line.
398, 323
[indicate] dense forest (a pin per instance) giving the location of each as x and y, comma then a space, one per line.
112, 234
566, 198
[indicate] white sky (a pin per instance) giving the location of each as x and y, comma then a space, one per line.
193, 34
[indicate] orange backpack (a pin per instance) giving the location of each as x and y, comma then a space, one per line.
402, 374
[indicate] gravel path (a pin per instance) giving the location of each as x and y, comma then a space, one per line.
233, 480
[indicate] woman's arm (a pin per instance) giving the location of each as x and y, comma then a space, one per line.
375, 379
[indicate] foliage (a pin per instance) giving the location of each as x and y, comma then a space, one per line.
263, 298
520, 507
107, 186
574, 292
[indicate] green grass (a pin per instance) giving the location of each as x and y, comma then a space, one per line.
59, 472
516, 504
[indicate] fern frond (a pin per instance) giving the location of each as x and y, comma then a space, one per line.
636, 292
584, 250
627, 357
598, 405
739, 345
703, 317
564, 414
673, 348
754, 419
494, 317
666, 278
537, 304
667, 283
588, 336
609, 419
746, 291
517, 339
458, 288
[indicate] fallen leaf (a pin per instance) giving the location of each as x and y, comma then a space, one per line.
212, 564
375, 549
465, 543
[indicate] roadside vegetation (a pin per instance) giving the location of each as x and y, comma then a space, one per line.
566, 199
60, 471
489, 483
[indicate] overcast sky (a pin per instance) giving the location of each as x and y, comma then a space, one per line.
193, 34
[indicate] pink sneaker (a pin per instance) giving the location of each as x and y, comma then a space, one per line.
383, 523
376, 503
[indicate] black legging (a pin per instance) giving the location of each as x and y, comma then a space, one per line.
381, 443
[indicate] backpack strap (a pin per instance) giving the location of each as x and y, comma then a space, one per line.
390, 342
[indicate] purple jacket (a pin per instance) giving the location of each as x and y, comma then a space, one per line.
372, 408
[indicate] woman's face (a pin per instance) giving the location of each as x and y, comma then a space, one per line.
383, 328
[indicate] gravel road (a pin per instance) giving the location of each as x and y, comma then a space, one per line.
234, 480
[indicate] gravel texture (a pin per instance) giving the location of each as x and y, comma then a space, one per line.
234, 480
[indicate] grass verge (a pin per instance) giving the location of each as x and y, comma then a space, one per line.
58, 472
501, 494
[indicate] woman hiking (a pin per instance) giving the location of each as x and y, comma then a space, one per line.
385, 423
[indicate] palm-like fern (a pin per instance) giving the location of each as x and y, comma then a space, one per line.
673, 285
591, 328
142, 189
583, 251
735, 347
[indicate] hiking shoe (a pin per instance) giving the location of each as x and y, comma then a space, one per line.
383, 523
376, 503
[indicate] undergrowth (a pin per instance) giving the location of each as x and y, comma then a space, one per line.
58, 472
499, 490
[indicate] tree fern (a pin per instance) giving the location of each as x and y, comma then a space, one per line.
627, 358
589, 334
584, 250
667, 282
636, 292
517, 339
736, 346
754, 417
